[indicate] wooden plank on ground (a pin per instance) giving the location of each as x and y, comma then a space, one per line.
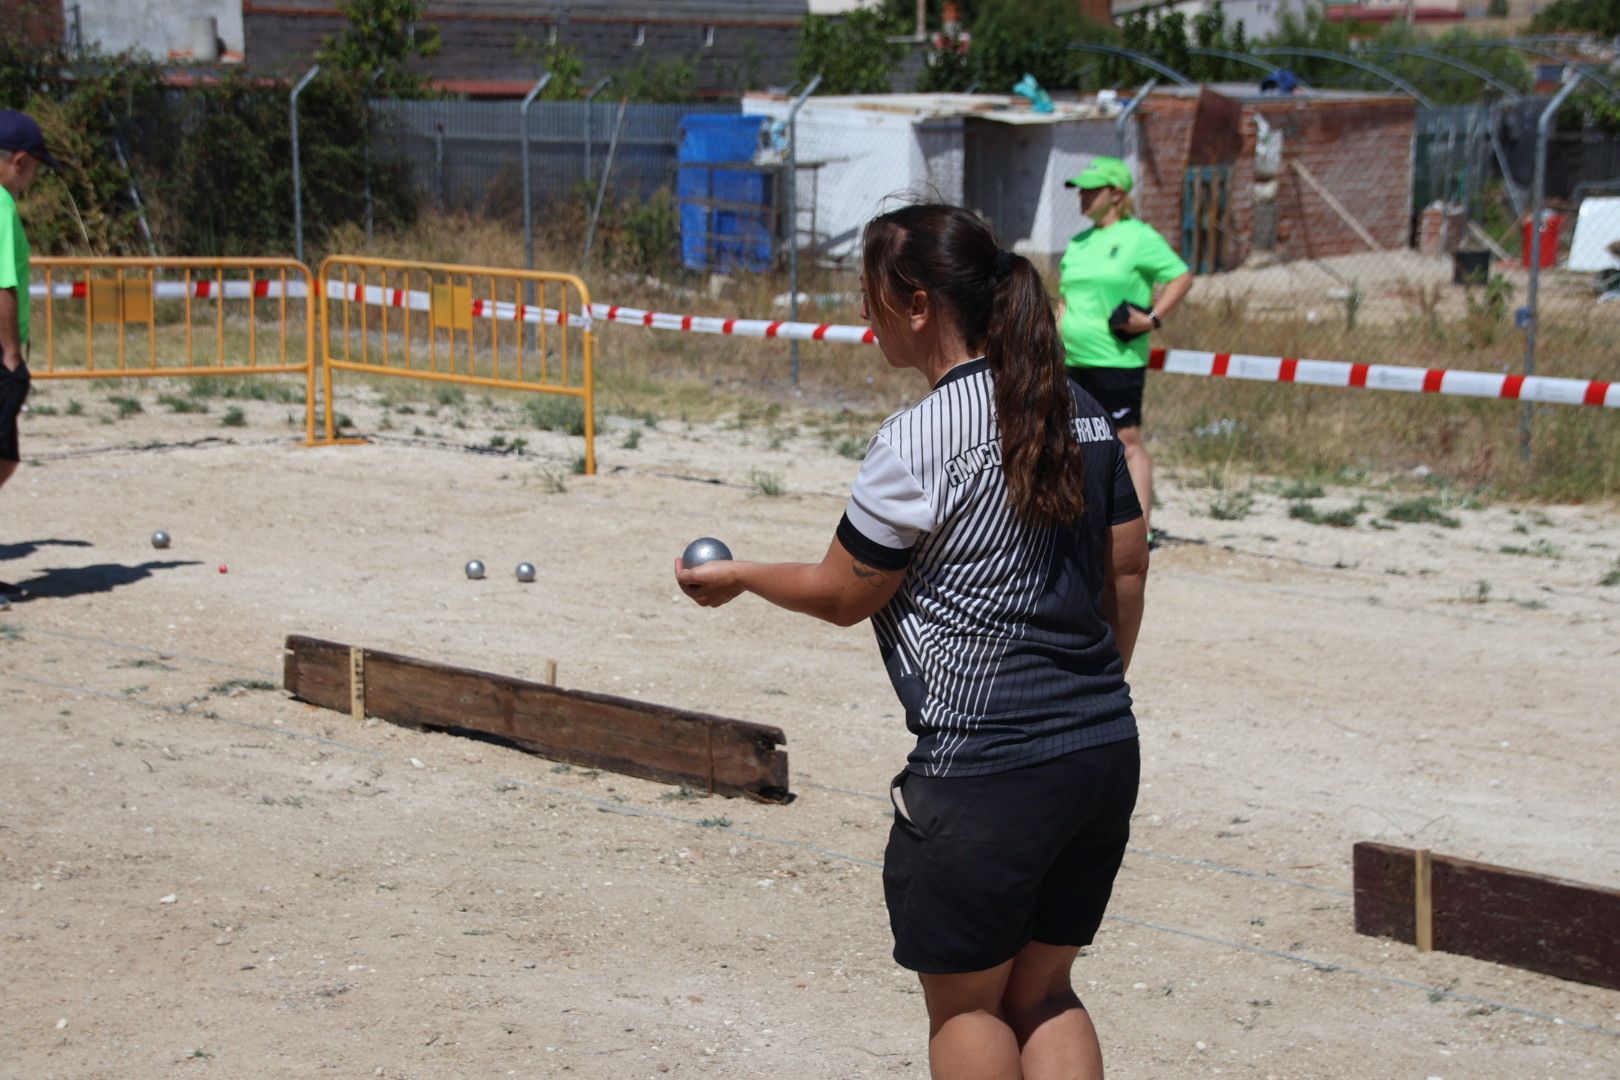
1557, 927
677, 746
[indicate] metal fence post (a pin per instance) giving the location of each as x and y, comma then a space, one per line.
297, 176
1122, 122
1538, 190
365, 103
601, 84
438, 163
601, 189
793, 222
528, 212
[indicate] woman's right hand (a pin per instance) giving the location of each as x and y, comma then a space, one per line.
711, 584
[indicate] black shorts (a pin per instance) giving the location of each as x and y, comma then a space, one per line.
984, 865
1118, 390
13, 392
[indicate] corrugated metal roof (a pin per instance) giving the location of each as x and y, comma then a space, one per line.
664, 11
1002, 108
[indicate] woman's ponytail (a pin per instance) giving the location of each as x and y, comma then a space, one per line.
1002, 308
1041, 458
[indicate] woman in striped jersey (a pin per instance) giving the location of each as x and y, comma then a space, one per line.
994, 540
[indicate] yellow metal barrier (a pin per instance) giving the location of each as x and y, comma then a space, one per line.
106, 318
478, 326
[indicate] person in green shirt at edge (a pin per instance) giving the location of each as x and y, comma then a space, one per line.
22, 153
1117, 259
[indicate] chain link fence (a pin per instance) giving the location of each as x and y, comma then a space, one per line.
1408, 244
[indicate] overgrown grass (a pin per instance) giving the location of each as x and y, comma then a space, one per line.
1424, 510
1302, 489
1311, 435
1344, 517
1541, 549
1232, 506
178, 404
553, 412
768, 484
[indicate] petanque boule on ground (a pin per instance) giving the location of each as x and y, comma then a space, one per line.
475, 570
160, 539
525, 572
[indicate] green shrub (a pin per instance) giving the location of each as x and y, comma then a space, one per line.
554, 412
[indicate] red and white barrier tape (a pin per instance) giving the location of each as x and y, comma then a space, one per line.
1412, 380
753, 328
198, 289
1389, 377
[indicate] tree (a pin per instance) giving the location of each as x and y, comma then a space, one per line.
668, 83
382, 36
1012, 38
562, 62
852, 53
1597, 16
949, 69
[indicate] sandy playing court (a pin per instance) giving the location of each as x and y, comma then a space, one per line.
201, 876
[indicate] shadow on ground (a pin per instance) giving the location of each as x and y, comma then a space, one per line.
60, 583
24, 548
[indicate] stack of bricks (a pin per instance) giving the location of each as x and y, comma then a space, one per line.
1441, 228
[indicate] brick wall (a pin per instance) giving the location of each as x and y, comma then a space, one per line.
1163, 140
1097, 12
1361, 151
32, 22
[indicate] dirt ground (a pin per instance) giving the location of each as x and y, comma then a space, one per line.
201, 876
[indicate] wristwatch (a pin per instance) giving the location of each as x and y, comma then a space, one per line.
1157, 322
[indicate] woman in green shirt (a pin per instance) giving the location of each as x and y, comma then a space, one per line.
1107, 278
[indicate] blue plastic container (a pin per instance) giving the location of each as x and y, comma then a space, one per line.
734, 236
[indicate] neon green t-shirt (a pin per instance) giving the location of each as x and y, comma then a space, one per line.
1100, 269
14, 272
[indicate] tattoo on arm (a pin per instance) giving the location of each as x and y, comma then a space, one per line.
871, 576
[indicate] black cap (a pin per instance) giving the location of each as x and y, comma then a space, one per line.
19, 131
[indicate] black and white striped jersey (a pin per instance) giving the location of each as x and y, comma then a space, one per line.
995, 643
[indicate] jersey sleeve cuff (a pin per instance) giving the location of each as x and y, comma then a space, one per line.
1126, 513
869, 551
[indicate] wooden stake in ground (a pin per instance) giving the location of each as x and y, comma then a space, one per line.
677, 746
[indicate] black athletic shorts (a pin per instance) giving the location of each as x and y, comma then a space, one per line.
13, 392
978, 867
1118, 390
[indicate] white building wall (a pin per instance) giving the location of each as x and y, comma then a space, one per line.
154, 27
869, 161
879, 154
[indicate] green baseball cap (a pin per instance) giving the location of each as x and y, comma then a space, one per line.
1103, 172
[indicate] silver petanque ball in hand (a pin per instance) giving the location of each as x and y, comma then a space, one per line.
475, 570
704, 549
525, 572
160, 539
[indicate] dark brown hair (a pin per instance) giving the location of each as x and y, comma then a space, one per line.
997, 301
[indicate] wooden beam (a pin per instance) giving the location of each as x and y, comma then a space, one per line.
1557, 927
676, 746
1483, 237
1336, 206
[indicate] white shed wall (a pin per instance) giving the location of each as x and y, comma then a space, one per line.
155, 27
